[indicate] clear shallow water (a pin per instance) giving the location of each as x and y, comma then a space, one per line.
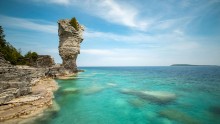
95, 96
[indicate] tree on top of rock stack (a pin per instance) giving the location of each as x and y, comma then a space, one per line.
74, 23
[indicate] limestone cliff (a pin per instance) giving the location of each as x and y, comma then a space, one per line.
69, 44
44, 61
24, 91
16, 81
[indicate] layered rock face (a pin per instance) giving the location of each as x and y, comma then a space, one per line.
69, 44
16, 81
24, 90
44, 61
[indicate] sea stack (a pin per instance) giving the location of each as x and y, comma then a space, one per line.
70, 36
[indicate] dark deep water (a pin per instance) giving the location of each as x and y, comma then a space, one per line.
100, 95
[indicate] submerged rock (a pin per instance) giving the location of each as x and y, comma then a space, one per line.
136, 102
69, 44
215, 110
54, 107
157, 96
178, 116
93, 89
161, 97
66, 78
71, 90
111, 84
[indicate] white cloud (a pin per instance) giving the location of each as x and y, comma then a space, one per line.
109, 10
97, 52
167, 49
139, 38
62, 2
168, 42
29, 24
122, 14
122, 57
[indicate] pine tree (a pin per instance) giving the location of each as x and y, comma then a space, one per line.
13, 55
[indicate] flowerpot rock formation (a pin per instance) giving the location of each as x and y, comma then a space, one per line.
69, 44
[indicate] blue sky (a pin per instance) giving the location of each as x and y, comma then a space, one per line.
119, 32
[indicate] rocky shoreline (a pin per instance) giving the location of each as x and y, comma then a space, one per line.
29, 105
27, 91
24, 91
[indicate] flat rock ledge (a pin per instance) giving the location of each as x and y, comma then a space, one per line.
30, 105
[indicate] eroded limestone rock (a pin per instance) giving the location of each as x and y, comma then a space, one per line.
16, 81
44, 61
69, 44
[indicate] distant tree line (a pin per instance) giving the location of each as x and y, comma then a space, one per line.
13, 55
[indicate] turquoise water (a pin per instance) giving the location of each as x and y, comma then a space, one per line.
115, 95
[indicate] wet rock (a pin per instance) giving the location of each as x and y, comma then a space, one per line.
80, 70
178, 116
66, 78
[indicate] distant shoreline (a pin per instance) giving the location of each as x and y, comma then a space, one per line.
190, 65
143, 66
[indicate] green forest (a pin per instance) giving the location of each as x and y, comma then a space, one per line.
13, 55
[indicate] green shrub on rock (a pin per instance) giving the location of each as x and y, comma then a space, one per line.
74, 23
30, 57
